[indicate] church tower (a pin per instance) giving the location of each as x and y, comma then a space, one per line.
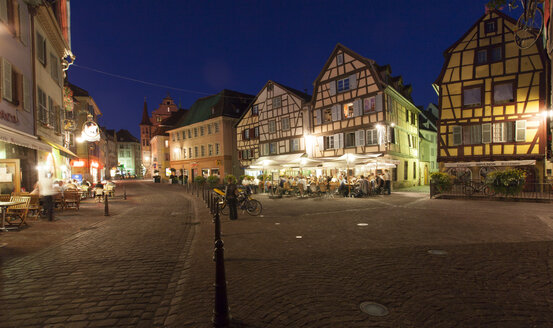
145, 137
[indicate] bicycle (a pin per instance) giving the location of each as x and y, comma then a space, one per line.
471, 187
245, 203
529, 25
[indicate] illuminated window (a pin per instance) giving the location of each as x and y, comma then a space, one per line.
348, 110
327, 115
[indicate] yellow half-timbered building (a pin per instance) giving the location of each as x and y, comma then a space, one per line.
273, 124
359, 108
492, 100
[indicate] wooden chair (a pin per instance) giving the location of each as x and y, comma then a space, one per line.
5, 197
34, 206
17, 214
71, 199
58, 201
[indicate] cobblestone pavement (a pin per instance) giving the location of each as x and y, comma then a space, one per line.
304, 263
120, 271
307, 263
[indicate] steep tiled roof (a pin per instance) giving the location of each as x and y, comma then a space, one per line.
226, 103
125, 136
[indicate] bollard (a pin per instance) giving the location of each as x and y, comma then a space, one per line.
125, 192
221, 315
106, 206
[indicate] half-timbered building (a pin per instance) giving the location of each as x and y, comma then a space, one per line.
359, 108
273, 124
492, 102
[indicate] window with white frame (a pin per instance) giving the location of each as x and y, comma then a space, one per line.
272, 126
264, 149
486, 133
343, 84
285, 123
499, 132
372, 137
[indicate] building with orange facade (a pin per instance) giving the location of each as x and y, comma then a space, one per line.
204, 141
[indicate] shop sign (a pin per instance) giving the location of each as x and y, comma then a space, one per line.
78, 177
79, 163
94, 164
91, 131
8, 117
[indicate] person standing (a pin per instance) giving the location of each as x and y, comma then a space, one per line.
387, 182
231, 196
46, 191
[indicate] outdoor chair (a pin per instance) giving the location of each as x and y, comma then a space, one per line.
5, 197
17, 214
58, 201
34, 206
71, 199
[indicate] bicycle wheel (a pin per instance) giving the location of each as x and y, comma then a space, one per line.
223, 208
468, 189
487, 191
254, 207
529, 29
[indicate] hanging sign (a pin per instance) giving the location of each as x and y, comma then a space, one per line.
91, 131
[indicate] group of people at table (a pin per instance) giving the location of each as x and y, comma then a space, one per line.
374, 183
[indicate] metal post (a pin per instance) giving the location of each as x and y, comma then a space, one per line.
106, 206
221, 315
124, 192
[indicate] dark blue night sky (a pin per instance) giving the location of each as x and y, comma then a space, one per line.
205, 46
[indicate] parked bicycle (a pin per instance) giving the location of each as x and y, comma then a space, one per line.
245, 202
472, 187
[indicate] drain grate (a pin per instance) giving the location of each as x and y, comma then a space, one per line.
437, 252
374, 309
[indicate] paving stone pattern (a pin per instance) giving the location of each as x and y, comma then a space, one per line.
118, 274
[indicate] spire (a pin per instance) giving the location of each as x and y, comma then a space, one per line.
145, 117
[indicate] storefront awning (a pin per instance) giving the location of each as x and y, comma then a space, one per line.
277, 160
492, 163
23, 139
64, 151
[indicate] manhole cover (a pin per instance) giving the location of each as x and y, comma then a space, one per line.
437, 252
374, 309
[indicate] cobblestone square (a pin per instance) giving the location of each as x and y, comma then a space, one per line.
304, 263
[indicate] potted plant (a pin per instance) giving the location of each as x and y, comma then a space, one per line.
200, 179
230, 176
212, 181
442, 181
509, 182
157, 178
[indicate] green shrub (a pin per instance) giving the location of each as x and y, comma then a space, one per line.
260, 177
507, 182
212, 181
442, 181
199, 179
230, 176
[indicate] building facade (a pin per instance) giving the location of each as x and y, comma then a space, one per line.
492, 103
204, 143
50, 37
152, 126
428, 147
128, 154
272, 125
359, 109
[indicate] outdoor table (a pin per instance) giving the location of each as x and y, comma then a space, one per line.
4, 206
